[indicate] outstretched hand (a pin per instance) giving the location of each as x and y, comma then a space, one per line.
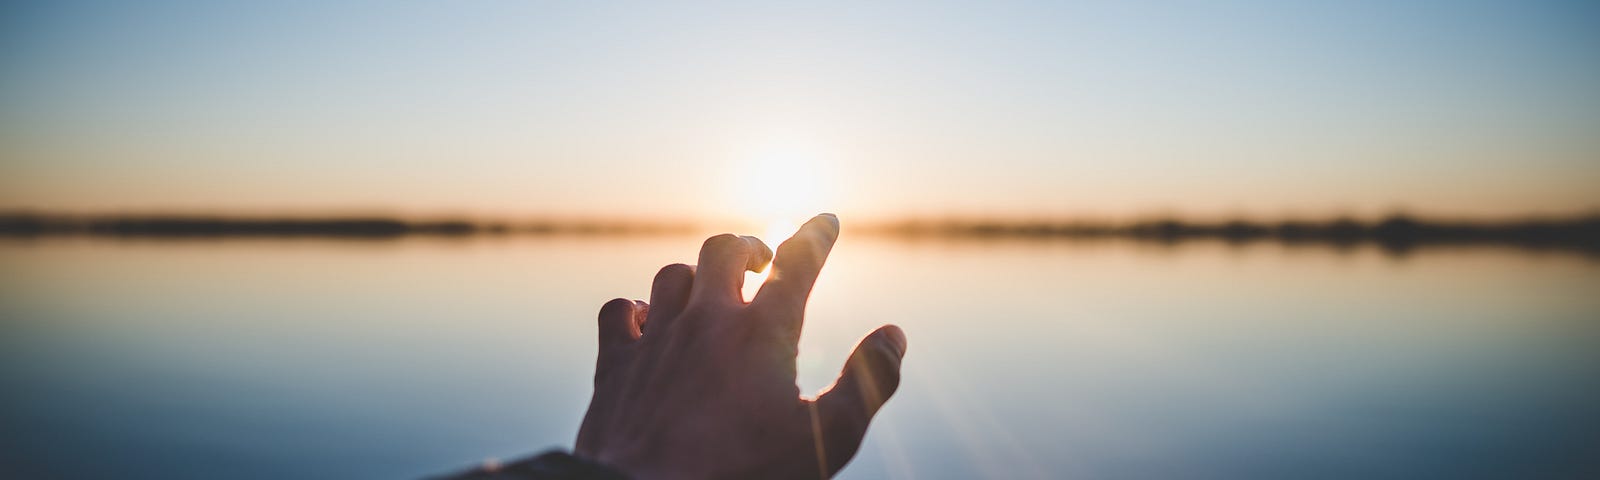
699, 384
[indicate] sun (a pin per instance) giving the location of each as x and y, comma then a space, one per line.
778, 187
779, 181
779, 184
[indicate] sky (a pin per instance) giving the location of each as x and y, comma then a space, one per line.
756, 110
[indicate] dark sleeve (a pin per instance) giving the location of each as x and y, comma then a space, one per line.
552, 465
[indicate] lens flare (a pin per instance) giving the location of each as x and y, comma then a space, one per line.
776, 232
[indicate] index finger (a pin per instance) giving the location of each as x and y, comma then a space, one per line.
795, 267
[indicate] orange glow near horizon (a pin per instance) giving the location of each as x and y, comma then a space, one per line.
740, 116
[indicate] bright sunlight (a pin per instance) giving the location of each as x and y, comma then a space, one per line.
777, 187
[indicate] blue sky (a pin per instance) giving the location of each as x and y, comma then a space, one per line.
756, 110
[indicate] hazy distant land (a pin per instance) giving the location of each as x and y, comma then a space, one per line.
1396, 233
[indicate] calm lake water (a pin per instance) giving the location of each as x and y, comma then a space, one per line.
359, 359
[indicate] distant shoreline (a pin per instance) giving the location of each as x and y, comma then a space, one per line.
176, 226
1396, 233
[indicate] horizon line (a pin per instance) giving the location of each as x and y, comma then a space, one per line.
1396, 233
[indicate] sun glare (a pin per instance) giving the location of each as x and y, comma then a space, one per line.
779, 187
776, 232
779, 184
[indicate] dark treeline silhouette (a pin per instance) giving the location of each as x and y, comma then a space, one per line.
176, 226
1397, 233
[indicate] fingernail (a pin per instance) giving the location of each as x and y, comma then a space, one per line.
896, 338
763, 256
831, 218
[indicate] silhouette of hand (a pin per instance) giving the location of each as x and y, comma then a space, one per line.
699, 384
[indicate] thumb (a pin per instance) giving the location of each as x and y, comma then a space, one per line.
870, 376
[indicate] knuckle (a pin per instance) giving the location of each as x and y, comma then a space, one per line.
756, 243
800, 248
616, 305
823, 237
692, 318
724, 242
798, 242
844, 422
676, 270
889, 377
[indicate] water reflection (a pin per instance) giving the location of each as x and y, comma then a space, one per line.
1029, 359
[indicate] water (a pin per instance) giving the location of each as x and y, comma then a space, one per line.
355, 359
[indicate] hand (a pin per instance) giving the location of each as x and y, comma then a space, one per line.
699, 384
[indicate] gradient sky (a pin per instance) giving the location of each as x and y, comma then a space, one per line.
866, 108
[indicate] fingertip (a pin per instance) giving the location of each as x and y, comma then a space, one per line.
617, 306
618, 322
895, 338
723, 260
675, 272
723, 243
669, 293
762, 254
829, 220
870, 377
